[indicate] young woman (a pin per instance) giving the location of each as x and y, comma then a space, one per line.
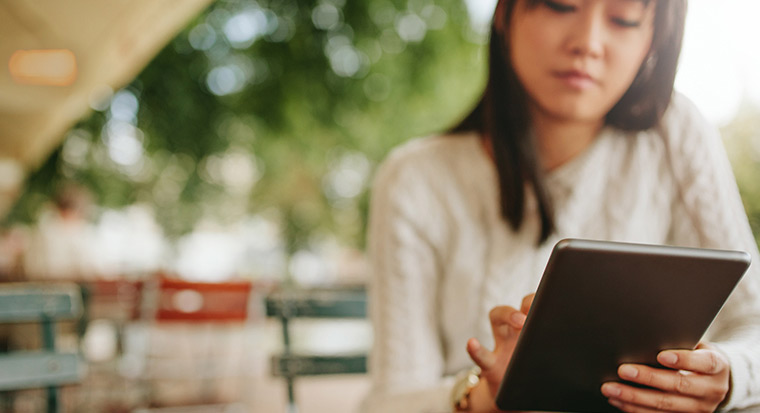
578, 134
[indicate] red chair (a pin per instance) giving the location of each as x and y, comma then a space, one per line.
202, 302
117, 300
193, 326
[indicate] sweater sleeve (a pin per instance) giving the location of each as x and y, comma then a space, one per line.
407, 358
708, 212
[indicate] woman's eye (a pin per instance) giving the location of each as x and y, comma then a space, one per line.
559, 7
626, 23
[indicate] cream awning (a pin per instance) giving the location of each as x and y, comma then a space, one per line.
111, 41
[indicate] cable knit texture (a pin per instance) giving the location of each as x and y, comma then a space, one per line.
442, 256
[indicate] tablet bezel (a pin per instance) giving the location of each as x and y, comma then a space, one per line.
560, 365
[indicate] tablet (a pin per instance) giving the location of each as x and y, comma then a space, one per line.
601, 304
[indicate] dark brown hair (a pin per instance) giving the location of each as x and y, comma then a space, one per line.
502, 112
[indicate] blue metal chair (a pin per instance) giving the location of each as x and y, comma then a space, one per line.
45, 368
336, 303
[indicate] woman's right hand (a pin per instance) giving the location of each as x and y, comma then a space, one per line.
506, 324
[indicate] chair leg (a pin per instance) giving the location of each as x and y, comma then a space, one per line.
292, 407
48, 339
52, 400
7, 399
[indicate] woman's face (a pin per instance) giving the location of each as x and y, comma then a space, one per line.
576, 58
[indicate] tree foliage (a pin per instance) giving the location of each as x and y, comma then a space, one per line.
278, 107
743, 147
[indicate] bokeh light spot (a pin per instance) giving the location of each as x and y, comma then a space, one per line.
124, 142
326, 16
225, 80
411, 27
244, 28
124, 106
202, 37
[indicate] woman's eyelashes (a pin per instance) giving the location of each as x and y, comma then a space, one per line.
626, 23
560, 7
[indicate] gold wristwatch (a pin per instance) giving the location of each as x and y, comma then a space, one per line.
460, 393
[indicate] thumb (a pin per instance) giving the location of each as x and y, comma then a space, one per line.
704, 346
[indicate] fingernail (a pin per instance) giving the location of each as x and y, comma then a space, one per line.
616, 403
610, 390
668, 358
518, 318
628, 372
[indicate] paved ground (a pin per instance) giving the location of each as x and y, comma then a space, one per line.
314, 395
175, 365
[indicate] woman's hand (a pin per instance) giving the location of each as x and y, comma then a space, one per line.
694, 381
506, 324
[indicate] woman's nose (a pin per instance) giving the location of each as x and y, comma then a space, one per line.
587, 35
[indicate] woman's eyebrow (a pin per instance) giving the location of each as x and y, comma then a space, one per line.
645, 3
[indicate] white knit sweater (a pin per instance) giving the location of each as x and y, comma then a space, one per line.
442, 256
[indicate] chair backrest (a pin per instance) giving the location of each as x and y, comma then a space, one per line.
189, 301
334, 303
117, 300
318, 303
44, 304
36, 302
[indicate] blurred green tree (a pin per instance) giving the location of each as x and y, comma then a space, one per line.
742, 140
280, 107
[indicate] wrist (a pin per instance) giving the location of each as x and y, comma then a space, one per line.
471, 393
481, 399
461, 393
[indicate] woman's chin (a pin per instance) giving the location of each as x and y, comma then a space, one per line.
574, 112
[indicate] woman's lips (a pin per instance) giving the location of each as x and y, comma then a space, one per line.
576, 79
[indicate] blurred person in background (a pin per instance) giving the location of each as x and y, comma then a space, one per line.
11, 238
12, 241
579, 134
62, 246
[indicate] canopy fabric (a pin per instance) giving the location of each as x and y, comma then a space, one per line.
111, 41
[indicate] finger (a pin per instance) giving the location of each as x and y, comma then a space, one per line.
631, 408
628, 407
673, 381
526, 303
701, 360
505, 319
637, 399
480, 355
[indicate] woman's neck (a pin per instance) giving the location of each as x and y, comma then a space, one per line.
559, 141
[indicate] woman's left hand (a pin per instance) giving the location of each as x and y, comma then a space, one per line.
694, 381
